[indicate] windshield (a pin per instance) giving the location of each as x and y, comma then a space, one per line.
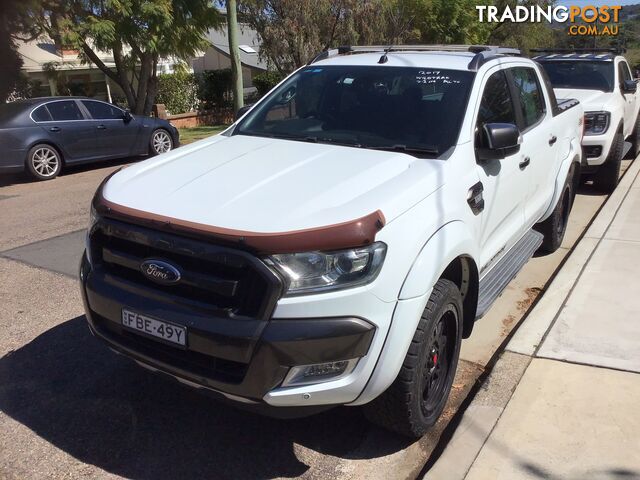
580, 74
417, 110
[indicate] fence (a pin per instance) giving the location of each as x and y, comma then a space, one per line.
219, 116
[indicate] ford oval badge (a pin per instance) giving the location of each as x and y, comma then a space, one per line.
160, 271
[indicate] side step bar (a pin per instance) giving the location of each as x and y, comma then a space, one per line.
494, 282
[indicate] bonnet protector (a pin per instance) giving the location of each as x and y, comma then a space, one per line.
350, 234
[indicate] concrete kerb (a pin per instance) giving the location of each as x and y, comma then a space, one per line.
476, 418
530, 335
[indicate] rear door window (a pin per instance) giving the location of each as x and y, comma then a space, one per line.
101, 110
530, 100
41, 114
64, 110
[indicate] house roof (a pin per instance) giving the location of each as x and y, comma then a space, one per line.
247, 40
36, 53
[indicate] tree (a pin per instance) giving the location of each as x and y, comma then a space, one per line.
522, 35
445, 22
234, 53
15, 24
294, 31
138, 33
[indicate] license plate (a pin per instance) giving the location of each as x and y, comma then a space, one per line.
156, 328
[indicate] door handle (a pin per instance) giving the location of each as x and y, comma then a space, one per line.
553, 140
475, 198
54, 129
525, 163
101, 127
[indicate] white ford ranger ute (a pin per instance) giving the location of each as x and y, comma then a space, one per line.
601, 80
336, 244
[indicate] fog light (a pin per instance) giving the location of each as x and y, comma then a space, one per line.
319, 372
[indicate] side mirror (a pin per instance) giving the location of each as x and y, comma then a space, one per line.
126, 116
498, 140
629, 86
241, 111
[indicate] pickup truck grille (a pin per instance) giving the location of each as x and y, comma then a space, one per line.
231, 282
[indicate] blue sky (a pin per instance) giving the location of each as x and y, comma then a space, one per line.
597, 3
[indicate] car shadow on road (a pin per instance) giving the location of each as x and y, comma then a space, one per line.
7, 180
104, 410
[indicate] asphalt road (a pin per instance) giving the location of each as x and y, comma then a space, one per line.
70, 408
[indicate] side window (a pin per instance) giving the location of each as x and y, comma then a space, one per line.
623, 72
550, 93
64, 110
530, 98
101, 110
41, 114
496, 105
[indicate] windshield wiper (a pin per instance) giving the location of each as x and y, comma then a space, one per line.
300, 138
331, 141
429, 150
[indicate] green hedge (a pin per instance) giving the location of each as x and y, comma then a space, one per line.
265, 81
184, 92
178, 92
215, 88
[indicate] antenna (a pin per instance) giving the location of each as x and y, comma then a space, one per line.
383, 58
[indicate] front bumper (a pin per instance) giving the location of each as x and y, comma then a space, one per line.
596, 148
242, 361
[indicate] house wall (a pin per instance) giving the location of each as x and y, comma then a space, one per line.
222, 116
215, 60
85, 82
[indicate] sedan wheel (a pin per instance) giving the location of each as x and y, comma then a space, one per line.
161, 142
44, 162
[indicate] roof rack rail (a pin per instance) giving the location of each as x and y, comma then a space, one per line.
489, 53
483, 52
616, 50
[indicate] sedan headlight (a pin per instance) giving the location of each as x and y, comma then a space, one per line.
313, 272
596, 123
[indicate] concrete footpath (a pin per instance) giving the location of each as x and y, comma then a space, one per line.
563, 400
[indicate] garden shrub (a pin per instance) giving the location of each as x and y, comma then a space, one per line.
178, 92
265, 81
215, 88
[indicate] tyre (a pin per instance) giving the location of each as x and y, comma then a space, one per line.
415, 400
44, 162
606, 178
554, 227
635, 139
161, 142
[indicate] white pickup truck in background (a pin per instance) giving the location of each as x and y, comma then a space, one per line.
336, 243
602, 81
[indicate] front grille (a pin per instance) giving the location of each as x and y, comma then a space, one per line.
193, 362
229, 281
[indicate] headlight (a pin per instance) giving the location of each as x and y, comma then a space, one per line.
312, 272
596, 123
93, 218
